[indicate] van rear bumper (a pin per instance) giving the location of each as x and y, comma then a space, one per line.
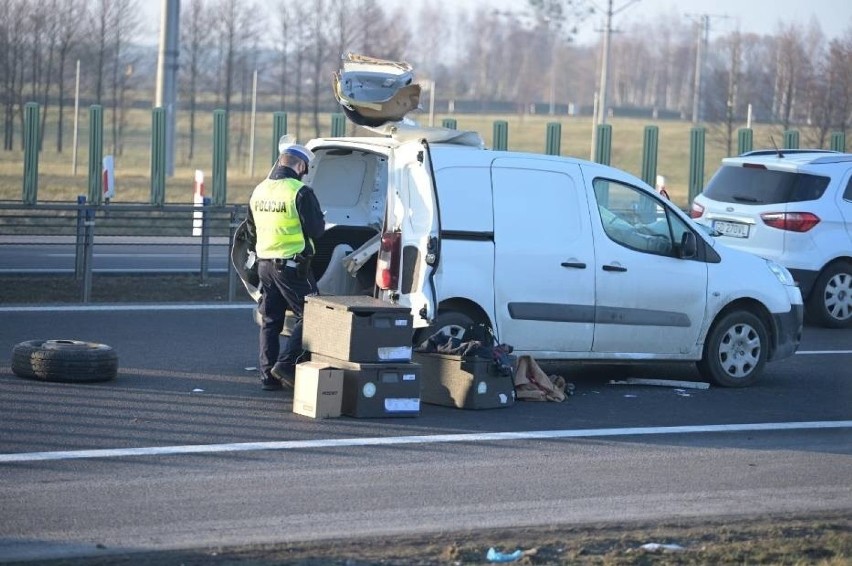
787, 332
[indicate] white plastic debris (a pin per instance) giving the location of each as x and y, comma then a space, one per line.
197, 390
655, 546
661, 383
251, 368
495, 555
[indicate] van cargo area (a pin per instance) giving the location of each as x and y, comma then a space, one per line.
351, 187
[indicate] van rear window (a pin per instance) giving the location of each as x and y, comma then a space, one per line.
747, 185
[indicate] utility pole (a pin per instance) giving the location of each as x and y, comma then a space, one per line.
603, 110
701, 44
167, 68
605, 52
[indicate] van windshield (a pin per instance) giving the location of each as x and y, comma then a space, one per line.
751, 185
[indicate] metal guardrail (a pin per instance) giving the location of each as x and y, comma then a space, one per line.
81, 225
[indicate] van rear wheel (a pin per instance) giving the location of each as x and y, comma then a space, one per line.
450, 322
735, 351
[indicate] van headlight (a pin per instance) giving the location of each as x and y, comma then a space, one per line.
781, 272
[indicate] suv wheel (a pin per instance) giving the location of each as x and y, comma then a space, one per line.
735, 351
830, 303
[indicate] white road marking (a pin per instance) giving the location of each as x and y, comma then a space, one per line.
424, 439
821, 352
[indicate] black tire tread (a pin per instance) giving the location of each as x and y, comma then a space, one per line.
65, 362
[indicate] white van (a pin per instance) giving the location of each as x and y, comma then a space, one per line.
563, 258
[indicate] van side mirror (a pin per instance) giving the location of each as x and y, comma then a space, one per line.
688, 246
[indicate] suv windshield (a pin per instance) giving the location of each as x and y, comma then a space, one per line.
753, 185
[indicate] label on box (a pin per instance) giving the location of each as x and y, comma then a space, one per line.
394, 353
409, 376
401, 322
402, 405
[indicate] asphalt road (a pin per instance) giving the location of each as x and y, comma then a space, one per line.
186, 451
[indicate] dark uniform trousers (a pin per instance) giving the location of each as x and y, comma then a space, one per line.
283, 289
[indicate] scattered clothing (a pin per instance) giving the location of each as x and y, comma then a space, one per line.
533, 384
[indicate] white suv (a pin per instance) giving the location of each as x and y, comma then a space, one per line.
795, 207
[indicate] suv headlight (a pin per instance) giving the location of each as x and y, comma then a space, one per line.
781, 273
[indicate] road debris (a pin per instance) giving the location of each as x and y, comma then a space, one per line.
656, 547
494, 555
661, 383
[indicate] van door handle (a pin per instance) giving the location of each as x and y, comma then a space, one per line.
575, 264
617, 268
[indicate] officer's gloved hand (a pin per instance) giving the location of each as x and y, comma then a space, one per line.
303, 266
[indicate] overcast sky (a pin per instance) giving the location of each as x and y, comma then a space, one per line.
756, 16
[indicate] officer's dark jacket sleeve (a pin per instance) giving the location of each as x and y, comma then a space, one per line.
251, 230
310, 213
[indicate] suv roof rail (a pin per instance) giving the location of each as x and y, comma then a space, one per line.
785, 152
838, 158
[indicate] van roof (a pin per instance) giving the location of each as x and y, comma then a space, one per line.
391, 135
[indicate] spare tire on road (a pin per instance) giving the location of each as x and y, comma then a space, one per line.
67, 361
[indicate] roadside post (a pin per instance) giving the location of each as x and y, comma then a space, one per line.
32, 143
205, 241
696, 163
198, 201
232, 271
80, 247
108, 171
553, 139
89, 225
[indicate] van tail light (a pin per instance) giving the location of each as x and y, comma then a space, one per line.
696, 210
792, 221
387, 264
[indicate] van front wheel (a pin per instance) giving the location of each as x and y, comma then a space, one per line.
735, 351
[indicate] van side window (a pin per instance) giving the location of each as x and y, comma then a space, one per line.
633, 218
847, 194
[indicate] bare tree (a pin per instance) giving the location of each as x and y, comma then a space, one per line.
69, 30
13, 17
124, 25
790, 63
42, 43
101, 16
831, 91
722, 91
317, 55
236, 24
195, 44
288, 25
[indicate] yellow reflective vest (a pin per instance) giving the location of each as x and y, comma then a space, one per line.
279, 231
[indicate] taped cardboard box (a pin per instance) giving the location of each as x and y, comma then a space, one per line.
463, 382
319, 390
357, 328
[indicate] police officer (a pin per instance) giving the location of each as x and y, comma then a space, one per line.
284, 218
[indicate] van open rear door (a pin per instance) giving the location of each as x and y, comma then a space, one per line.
410, 246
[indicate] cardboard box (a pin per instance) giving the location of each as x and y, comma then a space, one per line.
464, 383
319, 390
357, 329
378, 389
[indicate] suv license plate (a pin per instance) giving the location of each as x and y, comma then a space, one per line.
733, 229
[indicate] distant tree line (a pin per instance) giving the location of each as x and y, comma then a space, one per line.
489, 59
